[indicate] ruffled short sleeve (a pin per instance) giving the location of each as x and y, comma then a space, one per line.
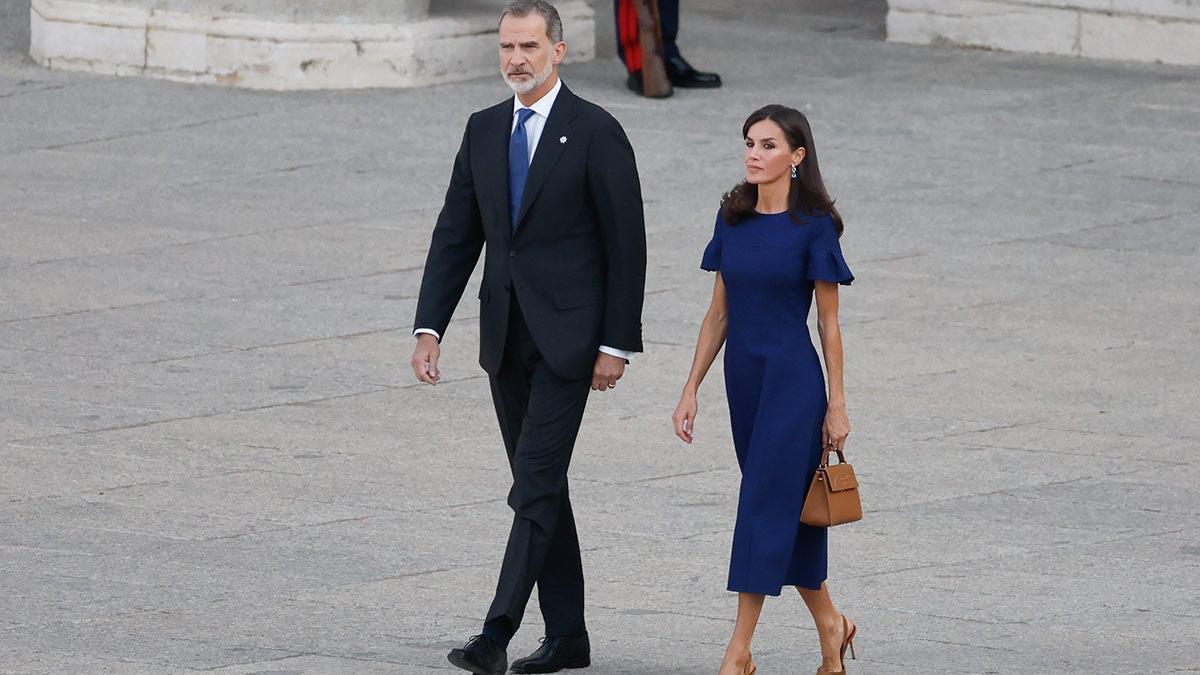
712, 253
825, 261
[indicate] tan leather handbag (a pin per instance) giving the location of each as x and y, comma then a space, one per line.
833, 495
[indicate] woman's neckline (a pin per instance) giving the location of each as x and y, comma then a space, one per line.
777, 213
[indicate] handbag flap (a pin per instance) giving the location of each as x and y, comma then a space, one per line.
841, 477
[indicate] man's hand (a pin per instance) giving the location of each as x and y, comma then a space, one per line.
425, 359
607, 371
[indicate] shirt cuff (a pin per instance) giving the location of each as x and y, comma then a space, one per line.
430, 331
619, 353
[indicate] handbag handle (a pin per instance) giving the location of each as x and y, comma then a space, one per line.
825, 457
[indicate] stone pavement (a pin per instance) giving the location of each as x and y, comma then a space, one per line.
214, 456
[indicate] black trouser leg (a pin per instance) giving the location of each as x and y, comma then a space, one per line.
668, 20
539, 415
560, 586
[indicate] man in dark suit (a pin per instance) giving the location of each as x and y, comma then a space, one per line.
548, 181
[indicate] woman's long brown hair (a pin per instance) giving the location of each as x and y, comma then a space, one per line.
807, 194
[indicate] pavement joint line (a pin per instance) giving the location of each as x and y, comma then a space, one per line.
913, 568
1139, 437
355, 277
183, 244
955, 434
663, 343
254, 175
901, 610
450, 507
276, 345
289, 654
1087, 162
110, 308
1008, 492
33, 91
236, 411
897, 258
57, 551
1073, 453
908, 376
1016, 569
663, 612
421, 573
1047, 238
286, 527
260, 174
967, 644
1165, 181
387, 511
31, 350
134, 134
1127, 536
651, 479
116, 488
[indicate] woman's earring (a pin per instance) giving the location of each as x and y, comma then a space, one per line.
793, 172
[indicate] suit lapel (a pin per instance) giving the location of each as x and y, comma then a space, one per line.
558, 126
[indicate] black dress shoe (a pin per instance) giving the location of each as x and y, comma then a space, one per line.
682, 74
634, 82
481, 655
555, 654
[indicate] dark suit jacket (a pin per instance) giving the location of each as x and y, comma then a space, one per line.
577, 260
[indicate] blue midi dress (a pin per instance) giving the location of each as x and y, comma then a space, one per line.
775, 388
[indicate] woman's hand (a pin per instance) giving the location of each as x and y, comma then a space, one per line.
836, 428
685, 417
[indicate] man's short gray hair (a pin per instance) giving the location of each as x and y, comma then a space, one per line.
522, 8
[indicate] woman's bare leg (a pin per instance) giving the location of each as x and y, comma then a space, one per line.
829, 625
737, 654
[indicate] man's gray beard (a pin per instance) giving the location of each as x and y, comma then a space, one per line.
537, 81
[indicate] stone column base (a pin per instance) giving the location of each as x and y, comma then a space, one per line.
260, 53
1164, 31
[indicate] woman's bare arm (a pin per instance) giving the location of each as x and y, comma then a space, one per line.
708, 344
837, 424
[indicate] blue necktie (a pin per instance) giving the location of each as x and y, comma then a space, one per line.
518, 163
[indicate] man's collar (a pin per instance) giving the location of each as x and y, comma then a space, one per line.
543, 105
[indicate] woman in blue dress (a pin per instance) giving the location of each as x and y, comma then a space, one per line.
774, 248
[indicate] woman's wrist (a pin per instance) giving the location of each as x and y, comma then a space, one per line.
837, 405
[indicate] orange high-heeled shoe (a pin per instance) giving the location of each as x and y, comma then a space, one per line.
848, 641
848, 633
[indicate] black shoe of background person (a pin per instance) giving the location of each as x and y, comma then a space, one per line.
634, 82
481, 655
683, 75
556, 653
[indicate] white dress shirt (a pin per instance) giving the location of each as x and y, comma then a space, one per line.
533, 132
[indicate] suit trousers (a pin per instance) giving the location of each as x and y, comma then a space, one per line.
539, 415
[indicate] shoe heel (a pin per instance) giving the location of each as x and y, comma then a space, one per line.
848, 641
579, 662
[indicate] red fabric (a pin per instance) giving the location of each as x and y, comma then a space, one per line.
627, 28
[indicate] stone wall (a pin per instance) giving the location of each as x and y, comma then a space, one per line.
311, 45
1165, 31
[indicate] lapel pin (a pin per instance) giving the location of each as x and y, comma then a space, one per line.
562, 139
